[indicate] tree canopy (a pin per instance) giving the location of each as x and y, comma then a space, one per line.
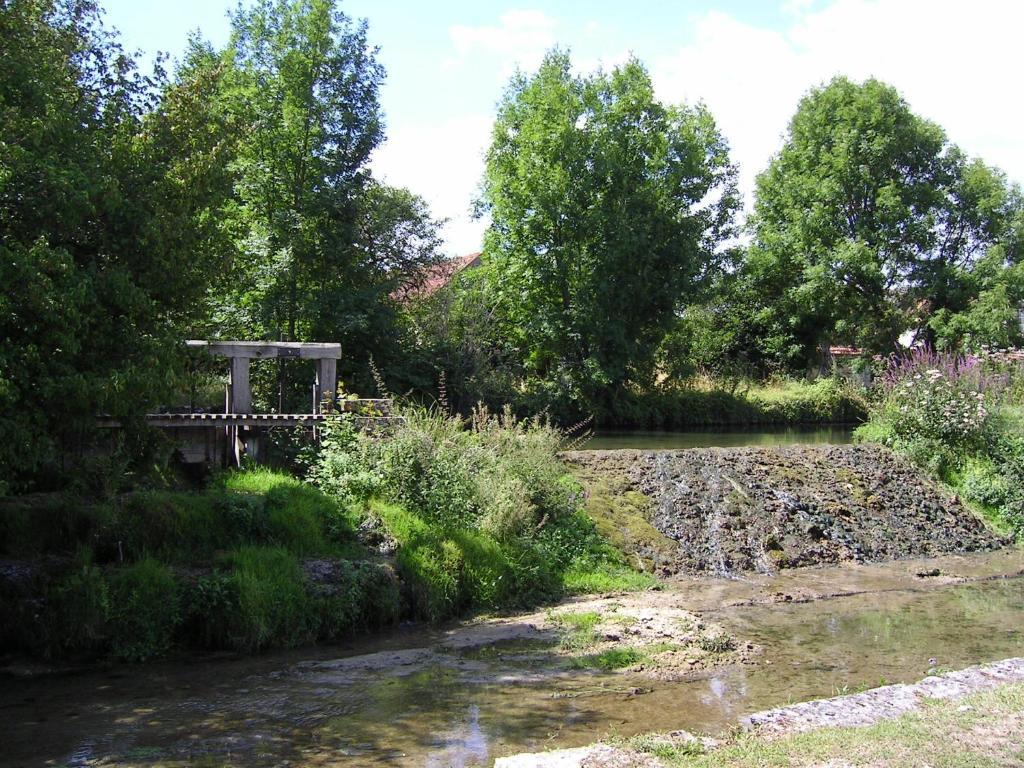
106, 199
608, 210
865, 223
232, 199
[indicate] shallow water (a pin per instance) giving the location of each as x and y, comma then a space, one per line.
408, 703
717, 438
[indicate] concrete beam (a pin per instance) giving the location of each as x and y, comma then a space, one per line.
306, 350
241, 392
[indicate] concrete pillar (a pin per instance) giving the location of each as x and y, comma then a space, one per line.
241, 393
326, 382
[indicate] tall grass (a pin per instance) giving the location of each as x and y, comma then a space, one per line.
483, 511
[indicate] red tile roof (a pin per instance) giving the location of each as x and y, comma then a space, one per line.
436, 277
845, 351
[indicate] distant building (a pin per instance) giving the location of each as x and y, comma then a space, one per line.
435, 278
842, 361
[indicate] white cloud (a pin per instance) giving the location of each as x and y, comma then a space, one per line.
957, 64
520, 39
443, 162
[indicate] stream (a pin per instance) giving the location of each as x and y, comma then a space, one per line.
718, 437
398, 700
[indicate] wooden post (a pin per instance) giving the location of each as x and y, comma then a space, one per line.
241, 393
326, 383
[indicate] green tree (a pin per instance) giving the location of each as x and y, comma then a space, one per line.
991, 317
864, 224
608, 210
320, 245
458, 332
101, 203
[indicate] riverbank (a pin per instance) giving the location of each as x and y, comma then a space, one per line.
712, 403
972, 717
435, 519
439, 521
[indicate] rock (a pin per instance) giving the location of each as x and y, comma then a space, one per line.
800, 506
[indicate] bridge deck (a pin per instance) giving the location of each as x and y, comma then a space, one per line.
362, 410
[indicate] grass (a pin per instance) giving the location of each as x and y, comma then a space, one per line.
984, 729
577, 631
588, 579
477, 516
717, 644
611, 659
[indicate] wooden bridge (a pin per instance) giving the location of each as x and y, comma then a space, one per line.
226, 437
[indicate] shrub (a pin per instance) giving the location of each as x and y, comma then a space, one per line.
483, 510
78, 604
299, 516
957, 417
492, 471
145, 610
360, 596
48, 523
982, 483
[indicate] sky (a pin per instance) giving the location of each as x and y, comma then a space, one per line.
750, 61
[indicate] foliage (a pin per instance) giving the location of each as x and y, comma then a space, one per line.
298, 516
957, 417
866, 224
145, 611
932, 405
270, 605
600, 198
577, 631
78, 603
320, 244
497, 473
458, 335
482, 511
105, 203
990, 318
605, 577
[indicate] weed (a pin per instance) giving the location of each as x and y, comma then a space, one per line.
144, 611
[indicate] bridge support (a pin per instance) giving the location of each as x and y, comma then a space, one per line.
242, 441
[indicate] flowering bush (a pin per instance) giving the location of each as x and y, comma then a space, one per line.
960, 417
931, 404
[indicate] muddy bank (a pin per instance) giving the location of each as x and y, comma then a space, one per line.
729, 510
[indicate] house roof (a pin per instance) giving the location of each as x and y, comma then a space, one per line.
435, 277
845, 351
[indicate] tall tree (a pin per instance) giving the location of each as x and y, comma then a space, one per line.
862, 223
101, 200
607, 210
320, 244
